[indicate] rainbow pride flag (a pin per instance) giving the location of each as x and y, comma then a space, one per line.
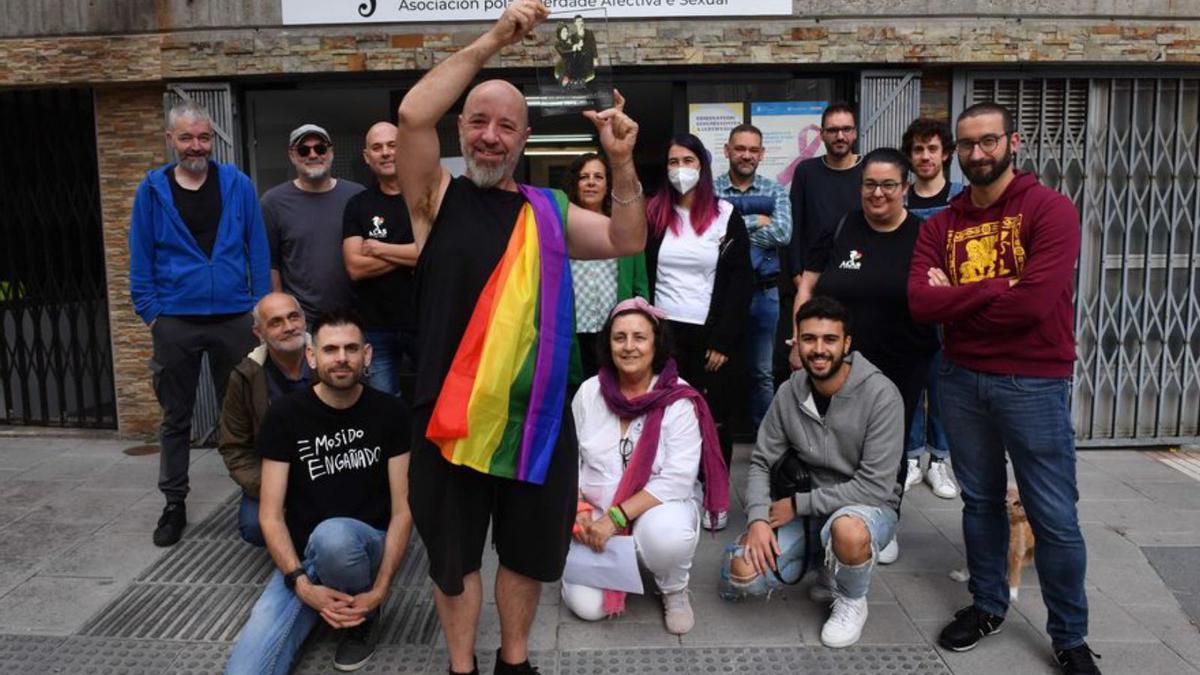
501, 405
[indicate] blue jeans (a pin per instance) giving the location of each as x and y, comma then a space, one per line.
927, 433
1030, 417
342, 554
248, 525
764, 315
388, 348
853, 581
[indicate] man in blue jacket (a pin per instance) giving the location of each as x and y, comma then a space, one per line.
198, 262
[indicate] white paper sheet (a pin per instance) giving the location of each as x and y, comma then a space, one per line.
615, 568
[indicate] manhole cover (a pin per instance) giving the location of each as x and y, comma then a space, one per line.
140, 450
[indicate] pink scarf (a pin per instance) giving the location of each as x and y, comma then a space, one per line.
653, 404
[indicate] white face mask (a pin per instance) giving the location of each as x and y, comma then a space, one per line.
684, 179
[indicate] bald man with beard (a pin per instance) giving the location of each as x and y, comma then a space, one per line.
462, 228
380, 257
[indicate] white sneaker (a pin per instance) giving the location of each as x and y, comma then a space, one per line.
822, 589
845, 623
722, 521
890, 553
938, 477
914, 474
677, 611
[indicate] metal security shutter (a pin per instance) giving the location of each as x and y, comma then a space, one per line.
891, 100
217, 99
1126, 151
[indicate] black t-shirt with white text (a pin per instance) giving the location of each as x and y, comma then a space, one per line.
337, 459
916, 201
868, 272
385, 301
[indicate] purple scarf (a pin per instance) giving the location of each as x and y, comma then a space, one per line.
653, 404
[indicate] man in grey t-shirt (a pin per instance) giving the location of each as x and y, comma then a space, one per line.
304, 226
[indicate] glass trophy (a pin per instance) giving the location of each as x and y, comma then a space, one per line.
580, 77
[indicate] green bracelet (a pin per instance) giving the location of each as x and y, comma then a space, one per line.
614, 512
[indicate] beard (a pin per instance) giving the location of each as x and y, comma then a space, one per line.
327, 378
839, 150
988, 171
290, 345
193, 163
835, 364
485, 175
316, 172
744, 169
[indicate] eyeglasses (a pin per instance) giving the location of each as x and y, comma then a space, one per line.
834, 131
319, 148
626, 448
987, 143
889, 187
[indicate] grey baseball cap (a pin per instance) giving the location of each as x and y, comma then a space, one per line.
303, 130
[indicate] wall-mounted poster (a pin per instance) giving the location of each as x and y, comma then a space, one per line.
791, 134
711, 122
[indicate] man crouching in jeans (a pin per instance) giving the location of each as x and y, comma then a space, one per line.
845, 419
333, 507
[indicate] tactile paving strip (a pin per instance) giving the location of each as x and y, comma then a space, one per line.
387, 659
204, 588
901, 660
86, 655
26, 653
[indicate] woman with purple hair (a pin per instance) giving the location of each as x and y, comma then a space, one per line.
698, 262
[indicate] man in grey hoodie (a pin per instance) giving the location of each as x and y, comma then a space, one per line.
845, 419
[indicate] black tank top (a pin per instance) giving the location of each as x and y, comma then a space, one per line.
466, 243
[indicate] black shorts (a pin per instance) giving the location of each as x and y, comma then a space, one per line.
452, 507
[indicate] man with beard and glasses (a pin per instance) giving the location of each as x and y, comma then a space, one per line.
273, 369
845, 420
767, 210
304, 226
380, 255
495, 443
823, 190
334, 507
997, 270
198, 261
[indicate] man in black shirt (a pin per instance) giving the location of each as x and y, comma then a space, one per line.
335, 488
379, 252
198, 261
462, 226
823, 190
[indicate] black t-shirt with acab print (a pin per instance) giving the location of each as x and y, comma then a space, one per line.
337, 459
385, 301
868, 272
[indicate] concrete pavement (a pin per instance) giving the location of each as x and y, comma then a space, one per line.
82, 588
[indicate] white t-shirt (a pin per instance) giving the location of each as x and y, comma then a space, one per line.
676, 469
687, 267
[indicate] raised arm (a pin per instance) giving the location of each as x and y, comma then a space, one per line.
423, 181
591, 235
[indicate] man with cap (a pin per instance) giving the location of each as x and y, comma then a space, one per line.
304, 226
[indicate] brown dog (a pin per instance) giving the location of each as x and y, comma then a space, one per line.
1020, 544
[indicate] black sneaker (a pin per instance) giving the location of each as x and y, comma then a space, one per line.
1077, 660
970, 625
524, 668
170, 524
355, 648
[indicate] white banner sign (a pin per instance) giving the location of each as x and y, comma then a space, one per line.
297, 12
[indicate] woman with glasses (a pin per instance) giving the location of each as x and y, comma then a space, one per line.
698, 260
599, 284
863, 262
645, 438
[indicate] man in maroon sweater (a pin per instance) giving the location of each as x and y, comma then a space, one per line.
996, 269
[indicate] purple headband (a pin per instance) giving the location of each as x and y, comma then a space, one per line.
638, 303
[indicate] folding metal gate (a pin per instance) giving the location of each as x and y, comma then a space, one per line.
55, 351
1126, 150
217, 99
891, 99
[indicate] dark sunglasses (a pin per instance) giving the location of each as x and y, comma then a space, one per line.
319, 148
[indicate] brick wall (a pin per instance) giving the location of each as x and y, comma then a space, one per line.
272, 51
129, 141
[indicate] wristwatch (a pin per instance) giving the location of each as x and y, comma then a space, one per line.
290, 578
